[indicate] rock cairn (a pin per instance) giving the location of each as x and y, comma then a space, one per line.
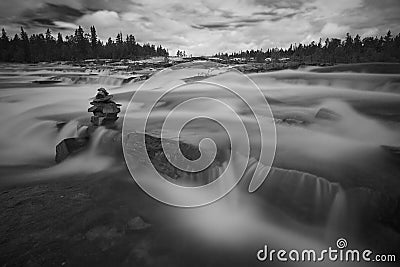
105, 111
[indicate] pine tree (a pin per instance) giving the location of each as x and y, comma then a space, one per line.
93, 37
60, 40
4, 46
25, 45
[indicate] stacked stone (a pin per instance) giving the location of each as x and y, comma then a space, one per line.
105, 111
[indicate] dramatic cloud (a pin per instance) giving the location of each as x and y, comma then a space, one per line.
208, 26
334, 30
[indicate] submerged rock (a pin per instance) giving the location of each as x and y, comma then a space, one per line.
292, 121
327, 114
102, 232
137, 223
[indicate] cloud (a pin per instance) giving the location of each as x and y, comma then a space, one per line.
62, 25
211, 26
265, 13
295, 4
102, 18
45, 14
334, 30
208, 26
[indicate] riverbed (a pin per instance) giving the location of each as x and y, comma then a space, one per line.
335, 172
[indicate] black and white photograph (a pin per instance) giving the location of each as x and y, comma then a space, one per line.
201, 133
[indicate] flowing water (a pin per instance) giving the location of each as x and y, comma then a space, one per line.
336, 137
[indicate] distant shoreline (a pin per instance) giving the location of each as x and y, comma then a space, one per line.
246, 67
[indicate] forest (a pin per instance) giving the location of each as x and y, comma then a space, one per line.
333, 50
79, 46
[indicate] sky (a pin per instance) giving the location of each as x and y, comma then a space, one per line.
206, 27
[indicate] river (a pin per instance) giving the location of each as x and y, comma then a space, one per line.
335, 172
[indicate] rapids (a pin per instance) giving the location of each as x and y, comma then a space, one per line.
305, 202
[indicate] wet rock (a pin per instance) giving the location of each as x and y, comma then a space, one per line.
105, 113
326, 114
137, 223
105, 237
47, 81
156, 154
153, 145
140, 252
374, 206
290, 122
59, 229
70, 146
102, 232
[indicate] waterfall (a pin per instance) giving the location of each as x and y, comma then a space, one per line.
96, 140
69, 130
304, 196
82, 131
337, 220
100, 79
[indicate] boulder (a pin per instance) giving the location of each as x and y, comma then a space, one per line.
154, 147
156, 154
70, 146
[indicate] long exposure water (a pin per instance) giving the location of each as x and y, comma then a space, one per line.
335, 173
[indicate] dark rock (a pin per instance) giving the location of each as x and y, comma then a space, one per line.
156, 153
292, 121
154, 148
70, 146
104, 121
105, 111
103, 99
374, 206
102, 90
47, 81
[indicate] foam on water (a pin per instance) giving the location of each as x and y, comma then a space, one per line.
302, 203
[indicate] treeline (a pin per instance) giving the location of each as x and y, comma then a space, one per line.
350, 50
79, 46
